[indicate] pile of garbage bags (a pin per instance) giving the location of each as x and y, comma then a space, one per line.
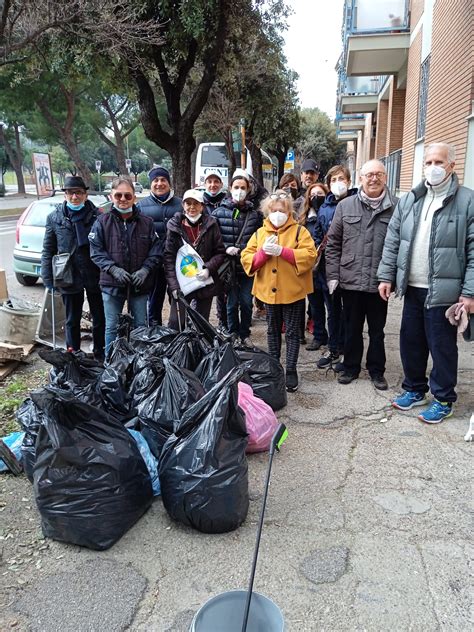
170, 413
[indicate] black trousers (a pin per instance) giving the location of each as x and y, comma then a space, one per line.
73, 304
201, 305
290, 314
423, 332
357, 307
156, 299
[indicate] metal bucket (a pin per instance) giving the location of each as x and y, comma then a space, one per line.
225, 613
18, 322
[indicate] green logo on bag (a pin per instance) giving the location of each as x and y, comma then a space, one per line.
188, 266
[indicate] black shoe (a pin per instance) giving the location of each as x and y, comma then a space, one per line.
329, 359
314, 345
291, 381
339, 367
347, 378
303, 340
379, 382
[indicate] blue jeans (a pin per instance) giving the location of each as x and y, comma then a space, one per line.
240, 296
113, 306
424, 331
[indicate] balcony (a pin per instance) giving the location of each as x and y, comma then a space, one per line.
376, 36
350, 123
346, 136
359, 95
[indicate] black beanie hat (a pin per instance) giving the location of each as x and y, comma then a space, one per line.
159, 172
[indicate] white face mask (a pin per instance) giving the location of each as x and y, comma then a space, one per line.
124, 211
191, 219
277, 218
434, 174
338, 189
238, 195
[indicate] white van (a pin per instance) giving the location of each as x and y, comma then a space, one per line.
212, 157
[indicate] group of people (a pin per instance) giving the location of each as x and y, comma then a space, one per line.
344, 249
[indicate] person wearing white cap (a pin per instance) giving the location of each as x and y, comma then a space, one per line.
215, 192
201, 231
238, 220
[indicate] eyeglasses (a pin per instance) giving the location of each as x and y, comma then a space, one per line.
77, 192
126, 196
371, 176
278, 196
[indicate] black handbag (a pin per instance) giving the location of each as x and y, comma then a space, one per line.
227, 270
62, 269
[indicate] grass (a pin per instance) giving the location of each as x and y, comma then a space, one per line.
5, 212
12, 395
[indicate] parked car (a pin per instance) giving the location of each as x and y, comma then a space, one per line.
138, 187
30, 230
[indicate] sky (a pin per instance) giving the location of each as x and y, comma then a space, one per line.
312, 46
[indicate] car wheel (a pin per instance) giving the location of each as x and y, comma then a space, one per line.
24, 279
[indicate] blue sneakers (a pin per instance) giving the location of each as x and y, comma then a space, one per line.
409, 399
435, 413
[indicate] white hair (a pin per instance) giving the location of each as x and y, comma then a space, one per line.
451, 149
373, 162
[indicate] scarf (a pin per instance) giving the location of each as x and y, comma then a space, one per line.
374, 203
77, 219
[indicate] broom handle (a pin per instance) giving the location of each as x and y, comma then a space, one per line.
257, 543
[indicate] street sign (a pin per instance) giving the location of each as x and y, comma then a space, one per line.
289, 161
98, 165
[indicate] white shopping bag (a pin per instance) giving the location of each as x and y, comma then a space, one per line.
188, 265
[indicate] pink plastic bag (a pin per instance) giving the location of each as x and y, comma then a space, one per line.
259, 417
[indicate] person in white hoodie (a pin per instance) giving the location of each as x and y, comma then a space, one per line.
428, 257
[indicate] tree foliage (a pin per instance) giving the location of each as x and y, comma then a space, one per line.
319, 140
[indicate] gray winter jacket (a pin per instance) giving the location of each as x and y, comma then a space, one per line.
355, 242
451, 254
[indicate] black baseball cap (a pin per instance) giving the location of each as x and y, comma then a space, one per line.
310, 165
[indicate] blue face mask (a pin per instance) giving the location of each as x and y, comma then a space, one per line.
124, 211
75, 207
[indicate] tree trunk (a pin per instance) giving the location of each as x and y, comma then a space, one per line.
181, 159
73, 151
230, 152
15, 156
256, 156
280, 156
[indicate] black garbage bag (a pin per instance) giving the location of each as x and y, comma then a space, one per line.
73, 367
203, 468
216, 364
30, 418
108, 393
186, 350
147, 380
121, 357
91, 483
265, 375
142, 338
165, 406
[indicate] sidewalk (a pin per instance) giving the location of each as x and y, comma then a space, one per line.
367, 527
16, 201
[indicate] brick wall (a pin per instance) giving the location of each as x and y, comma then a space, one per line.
395, 119
411, 112
381, 136
416, 11
451, 85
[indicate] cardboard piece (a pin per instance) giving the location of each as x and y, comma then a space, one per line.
3, 286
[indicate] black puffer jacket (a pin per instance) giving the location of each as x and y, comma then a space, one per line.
209, 246
60, 236
160, 212
211, 203
231, 220
129, 244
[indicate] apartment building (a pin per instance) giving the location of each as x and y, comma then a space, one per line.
406, 79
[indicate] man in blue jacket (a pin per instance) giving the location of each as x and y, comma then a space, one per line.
428, 258
161, 205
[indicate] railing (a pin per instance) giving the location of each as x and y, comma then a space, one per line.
393, 163
369, 16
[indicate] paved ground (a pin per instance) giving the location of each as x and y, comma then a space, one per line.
367, 528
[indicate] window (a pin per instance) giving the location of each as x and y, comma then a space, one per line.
423, 97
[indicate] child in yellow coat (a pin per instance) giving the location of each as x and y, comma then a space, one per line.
280, 256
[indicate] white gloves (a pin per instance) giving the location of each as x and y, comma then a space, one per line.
203, 275
270, 246
233, 251
332, 285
